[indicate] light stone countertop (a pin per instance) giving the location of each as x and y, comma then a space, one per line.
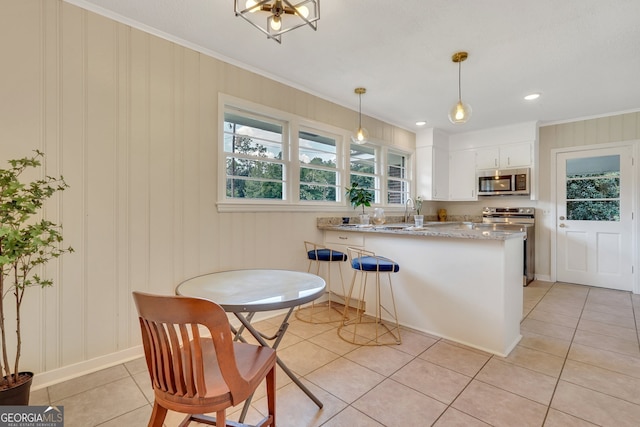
459, 230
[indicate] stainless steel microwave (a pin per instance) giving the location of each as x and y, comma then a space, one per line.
505, 182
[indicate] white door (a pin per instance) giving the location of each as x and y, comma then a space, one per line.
594, 222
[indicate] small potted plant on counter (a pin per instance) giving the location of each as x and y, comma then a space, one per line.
418, 217
27, 242
358, 196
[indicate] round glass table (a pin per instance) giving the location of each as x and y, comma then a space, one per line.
246, 292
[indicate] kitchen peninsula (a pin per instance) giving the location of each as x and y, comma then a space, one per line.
460, 281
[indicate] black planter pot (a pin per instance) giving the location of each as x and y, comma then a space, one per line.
18, 395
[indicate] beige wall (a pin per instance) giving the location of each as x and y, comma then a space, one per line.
606, 130
130, 120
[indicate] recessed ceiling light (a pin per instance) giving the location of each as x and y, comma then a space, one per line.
421, 123
532, 96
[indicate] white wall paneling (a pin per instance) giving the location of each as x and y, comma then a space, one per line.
600, 131
130, 120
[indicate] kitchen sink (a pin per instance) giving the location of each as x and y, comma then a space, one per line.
393, 226
452, 225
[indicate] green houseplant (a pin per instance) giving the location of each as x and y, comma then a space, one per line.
358, 196
27, 242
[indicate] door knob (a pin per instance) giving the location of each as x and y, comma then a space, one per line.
562, 226
561, 218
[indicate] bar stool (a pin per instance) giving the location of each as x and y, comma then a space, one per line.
324, 311
360, 328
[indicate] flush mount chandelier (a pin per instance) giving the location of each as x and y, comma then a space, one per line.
276, 17
460, 112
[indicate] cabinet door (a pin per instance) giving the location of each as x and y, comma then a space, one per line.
488, 158
462, 175
515, 156
340, 271
441, 174
432, 173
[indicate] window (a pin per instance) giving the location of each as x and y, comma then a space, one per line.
271, 158
255, 167
397, 178
593, 189
318, 156
364, 165
366, 162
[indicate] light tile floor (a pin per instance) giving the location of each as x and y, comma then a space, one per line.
578, 364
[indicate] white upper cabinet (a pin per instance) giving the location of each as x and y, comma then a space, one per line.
432, 165
505, 156
432, 173
516, 155
446, 165
462, 175
488, 158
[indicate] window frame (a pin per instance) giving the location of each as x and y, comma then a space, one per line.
407, 179
284, 161
304, 126
292, 126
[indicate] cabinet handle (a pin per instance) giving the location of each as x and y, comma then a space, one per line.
495, 162
509, 161
343, 238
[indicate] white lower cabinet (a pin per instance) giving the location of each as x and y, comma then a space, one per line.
340, 241
476, 302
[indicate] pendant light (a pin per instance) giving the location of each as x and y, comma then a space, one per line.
460, 112
361, 136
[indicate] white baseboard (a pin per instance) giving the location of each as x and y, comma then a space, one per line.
339, 299
48, 378
55, 376
543, 277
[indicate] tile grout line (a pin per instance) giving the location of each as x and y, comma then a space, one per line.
564, 362
591, 292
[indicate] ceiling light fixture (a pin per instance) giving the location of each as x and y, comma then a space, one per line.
532, 96
421, 123
282, 15
460, 112
361, 136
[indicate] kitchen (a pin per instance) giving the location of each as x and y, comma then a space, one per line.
127, 117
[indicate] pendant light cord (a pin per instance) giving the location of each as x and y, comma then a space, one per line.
359, 111
459, 84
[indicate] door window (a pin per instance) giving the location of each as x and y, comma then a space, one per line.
593, 188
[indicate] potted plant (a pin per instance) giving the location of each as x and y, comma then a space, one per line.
27, 242
418, 204
418, 217
358, 196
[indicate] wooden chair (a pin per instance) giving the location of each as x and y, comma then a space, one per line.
196, 374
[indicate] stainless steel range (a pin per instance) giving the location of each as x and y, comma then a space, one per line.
519, 219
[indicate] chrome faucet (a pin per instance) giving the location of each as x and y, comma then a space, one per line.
406, 208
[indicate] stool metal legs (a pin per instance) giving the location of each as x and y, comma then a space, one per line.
362, 329
324, 311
